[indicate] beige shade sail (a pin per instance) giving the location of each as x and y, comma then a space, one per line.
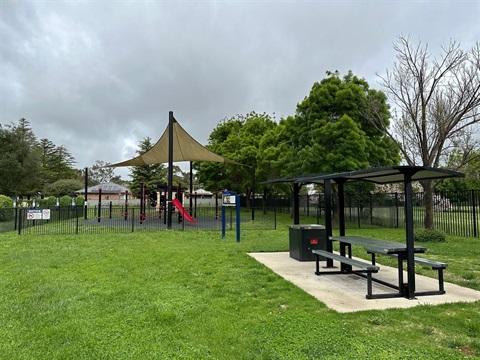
185, 148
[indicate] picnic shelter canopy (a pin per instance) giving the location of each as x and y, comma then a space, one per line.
382, 175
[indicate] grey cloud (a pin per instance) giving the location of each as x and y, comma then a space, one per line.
98, 77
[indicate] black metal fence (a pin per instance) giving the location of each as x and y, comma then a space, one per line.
109, 219
455, 213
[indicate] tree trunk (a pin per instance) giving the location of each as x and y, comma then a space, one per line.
428, 189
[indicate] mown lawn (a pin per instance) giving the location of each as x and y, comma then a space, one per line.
192, 295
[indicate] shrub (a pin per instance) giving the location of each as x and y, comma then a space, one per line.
428, 235
47, 203
6, 202
63, 187
65, 200
80, 200
6, 208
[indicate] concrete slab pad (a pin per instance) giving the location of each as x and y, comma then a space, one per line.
346, 292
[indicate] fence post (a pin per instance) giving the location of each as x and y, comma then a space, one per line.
99, 215
133, 219
474, 214
308, 204
371, 209
16, 218
76, 213
20, 221
396, 209
275, 219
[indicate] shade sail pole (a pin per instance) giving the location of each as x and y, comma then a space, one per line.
191, 186
170, 168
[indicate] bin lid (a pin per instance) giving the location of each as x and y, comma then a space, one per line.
306, 226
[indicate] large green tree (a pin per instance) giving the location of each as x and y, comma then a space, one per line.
19, 160
151, 175
56, 163
237, 138
331, 133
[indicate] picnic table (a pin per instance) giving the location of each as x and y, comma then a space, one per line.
375, 246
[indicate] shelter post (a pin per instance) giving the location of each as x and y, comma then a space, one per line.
409, 233
296, 203
327, 190
170, 169
341, 206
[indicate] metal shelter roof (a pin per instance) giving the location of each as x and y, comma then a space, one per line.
290, 179
385, 175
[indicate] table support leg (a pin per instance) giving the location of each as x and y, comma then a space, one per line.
400, 272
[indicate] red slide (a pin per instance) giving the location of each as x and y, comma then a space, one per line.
182, 211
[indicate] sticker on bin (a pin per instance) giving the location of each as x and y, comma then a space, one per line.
313, 241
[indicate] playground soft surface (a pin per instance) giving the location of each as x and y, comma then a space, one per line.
193, 295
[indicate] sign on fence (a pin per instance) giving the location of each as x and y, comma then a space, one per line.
38, 214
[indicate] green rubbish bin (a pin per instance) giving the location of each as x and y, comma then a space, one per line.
305, 238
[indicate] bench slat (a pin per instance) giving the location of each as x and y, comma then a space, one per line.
346, 260
433, 263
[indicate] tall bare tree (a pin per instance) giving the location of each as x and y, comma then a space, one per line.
438, 101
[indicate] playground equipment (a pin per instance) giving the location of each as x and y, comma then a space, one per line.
182, 211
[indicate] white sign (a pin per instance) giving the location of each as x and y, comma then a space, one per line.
229, 200
38, 214
46, 214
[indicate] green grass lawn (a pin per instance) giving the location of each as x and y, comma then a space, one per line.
193, 295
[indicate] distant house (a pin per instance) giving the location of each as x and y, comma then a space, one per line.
200, 194
110, 192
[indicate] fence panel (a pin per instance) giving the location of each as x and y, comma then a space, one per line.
108, 219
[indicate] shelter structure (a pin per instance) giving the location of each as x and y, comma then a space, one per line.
175, 145
381, 175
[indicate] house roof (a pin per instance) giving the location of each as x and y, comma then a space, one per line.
201, 192
109, 187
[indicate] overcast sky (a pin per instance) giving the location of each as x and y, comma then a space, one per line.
100, 76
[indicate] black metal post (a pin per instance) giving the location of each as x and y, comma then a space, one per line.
327, 188
142, 202
253, 193
296, 204
396, 210
126, 205
341, 207
170, 169
165, 204
191, 186
474, 214
409, 233
99, 214
86, 193
195, 208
